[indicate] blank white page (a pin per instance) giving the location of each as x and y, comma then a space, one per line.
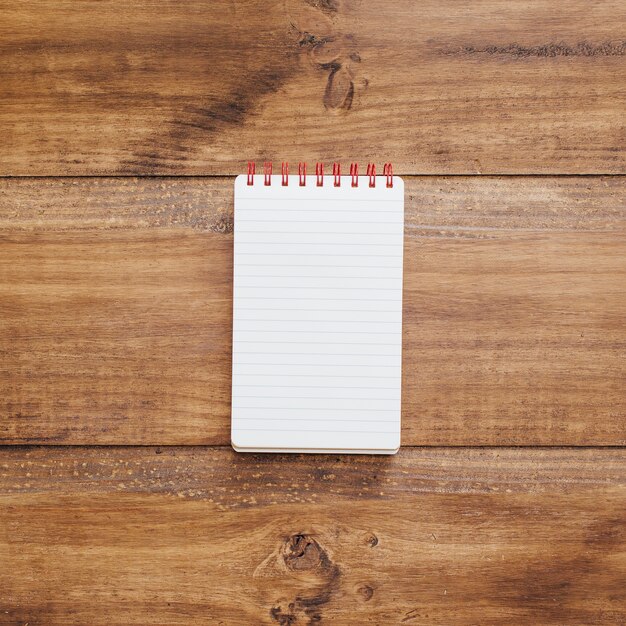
317, 316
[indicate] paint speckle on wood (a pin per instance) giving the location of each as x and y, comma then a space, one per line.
552, 50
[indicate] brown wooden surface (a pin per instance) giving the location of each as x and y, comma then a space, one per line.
117, 536
489, 86
116, 311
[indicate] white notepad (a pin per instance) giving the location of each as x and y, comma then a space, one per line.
317, 316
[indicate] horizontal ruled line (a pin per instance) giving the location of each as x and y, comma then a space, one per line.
325, 332
317, 408
296, 419
316, 264
240, 319
323, 343
322, 310
348, 365
369, 256
315, 243
312, 386
321, 276
312, 298
317, 430
316, 376
323, 353
317, 398
322, 199
312, 232
399, 289
386, 221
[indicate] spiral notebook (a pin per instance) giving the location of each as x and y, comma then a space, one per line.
317, 311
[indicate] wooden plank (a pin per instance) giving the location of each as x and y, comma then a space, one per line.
177, 536
115, 306
490, 86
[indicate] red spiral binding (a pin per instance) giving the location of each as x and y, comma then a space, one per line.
388, 172
251, 172
354, 172
319, 173
337, 174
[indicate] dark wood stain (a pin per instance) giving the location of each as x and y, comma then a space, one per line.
275, 62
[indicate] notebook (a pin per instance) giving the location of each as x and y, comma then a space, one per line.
317, 311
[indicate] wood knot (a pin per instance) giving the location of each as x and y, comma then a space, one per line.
331, 51
316, 575
303, 553
366, 592
339, 91
371, 540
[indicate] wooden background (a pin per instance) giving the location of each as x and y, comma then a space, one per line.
121, 125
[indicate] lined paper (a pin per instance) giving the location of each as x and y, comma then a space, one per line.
317, 316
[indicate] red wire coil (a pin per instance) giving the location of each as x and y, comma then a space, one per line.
354, 172
251, 172
388, 172
319, 174
337, 174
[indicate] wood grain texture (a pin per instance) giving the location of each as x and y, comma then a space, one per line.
115, 311
488, 86
107, 536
